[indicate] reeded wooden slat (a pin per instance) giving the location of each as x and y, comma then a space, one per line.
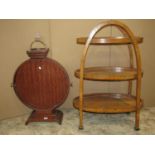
108, 40
107, 103
108, 73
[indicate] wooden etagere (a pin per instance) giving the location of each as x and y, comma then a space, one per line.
111, 102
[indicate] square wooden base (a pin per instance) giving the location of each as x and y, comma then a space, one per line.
45, 116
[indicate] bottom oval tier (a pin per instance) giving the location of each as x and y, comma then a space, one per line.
107, 103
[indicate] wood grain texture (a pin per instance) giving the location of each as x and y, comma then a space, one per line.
108, 73
107, 103
108, 40
111, 74
41, 84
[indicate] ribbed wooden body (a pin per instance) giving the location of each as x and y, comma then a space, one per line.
41, 84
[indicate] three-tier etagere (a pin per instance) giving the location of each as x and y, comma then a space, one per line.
111, 102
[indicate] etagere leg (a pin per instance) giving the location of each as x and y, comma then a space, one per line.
137, 117
80, 127
81, 120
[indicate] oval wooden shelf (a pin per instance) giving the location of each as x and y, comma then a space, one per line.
108, 40
107, 103
108, 73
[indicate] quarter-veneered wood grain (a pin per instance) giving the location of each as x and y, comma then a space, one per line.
107, 103
128, 39
108, 73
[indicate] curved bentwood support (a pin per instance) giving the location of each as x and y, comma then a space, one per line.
128, 33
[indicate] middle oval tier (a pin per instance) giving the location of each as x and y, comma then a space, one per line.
108, 73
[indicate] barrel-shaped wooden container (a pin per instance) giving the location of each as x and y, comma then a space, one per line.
42, 84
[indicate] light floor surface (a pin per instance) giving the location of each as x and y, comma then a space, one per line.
94, 124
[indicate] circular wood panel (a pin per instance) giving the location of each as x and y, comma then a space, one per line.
41, 84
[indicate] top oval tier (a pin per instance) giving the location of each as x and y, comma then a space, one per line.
108, 40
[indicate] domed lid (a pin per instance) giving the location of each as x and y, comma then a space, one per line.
38, 53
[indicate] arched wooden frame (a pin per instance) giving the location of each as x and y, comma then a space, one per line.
131, 61
126, 32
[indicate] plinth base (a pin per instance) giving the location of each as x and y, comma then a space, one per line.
45, 116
